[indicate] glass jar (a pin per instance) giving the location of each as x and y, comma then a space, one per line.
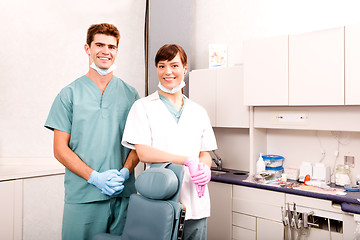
342, 175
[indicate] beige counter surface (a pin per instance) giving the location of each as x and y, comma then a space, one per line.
19, 168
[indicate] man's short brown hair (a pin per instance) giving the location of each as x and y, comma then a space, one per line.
102, 28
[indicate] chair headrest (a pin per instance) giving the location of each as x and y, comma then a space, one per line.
157, 183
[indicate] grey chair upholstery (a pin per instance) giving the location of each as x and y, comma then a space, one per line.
155, 213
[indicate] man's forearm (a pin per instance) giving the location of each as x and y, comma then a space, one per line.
131, 161
67, 157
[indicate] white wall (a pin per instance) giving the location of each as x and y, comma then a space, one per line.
231, 22
309, 146
42, 50
233, 147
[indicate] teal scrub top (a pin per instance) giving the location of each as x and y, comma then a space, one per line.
96, 123
176, 114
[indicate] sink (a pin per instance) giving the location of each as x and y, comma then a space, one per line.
218, 172
239, 173
215, 171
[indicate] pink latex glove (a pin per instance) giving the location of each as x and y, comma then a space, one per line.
205, 176
195, 171
193, 167
202, 179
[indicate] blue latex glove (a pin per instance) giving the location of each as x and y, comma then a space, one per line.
99, 180
115, 185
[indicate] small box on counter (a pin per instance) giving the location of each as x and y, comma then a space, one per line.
292, 173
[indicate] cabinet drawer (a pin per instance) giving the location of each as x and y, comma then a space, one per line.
244, 221
243, 234
315, 234
310, 202
257, 209
258, 202
259, 195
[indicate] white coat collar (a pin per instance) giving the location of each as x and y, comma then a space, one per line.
154, 96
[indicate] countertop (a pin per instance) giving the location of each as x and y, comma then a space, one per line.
20, 168
350, 202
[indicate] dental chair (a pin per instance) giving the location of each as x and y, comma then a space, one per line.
155, 213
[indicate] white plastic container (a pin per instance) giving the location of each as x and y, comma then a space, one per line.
321, 173
260, 164
292, 173
305, 169
273, 161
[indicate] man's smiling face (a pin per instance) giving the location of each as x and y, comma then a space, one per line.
103, 50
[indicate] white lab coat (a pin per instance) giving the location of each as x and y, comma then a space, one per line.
150, 123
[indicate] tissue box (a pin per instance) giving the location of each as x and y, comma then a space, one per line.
305, 169
321, 173
292, 173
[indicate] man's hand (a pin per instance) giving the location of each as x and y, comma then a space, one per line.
115, 185
99, 180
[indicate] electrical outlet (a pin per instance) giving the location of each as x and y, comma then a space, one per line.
292, 117
349, 160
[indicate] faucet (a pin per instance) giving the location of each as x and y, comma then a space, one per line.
217, 160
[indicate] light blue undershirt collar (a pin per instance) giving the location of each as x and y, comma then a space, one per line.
176, 114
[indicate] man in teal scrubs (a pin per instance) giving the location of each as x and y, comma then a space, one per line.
88, 118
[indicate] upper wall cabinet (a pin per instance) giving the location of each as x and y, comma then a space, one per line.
352, 64
304, 69
202, 90
220, 92
316, 68
266, 71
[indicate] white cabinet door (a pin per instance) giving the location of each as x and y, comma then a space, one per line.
269, 230
316, 68
220, 92
202, 90
349, 225
230, 108
7, 210
266, 71
219, 223
352, 64
11, 210
43, 207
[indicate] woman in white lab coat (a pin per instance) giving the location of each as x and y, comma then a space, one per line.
166, 126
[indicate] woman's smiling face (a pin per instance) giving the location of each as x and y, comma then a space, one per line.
171, 73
